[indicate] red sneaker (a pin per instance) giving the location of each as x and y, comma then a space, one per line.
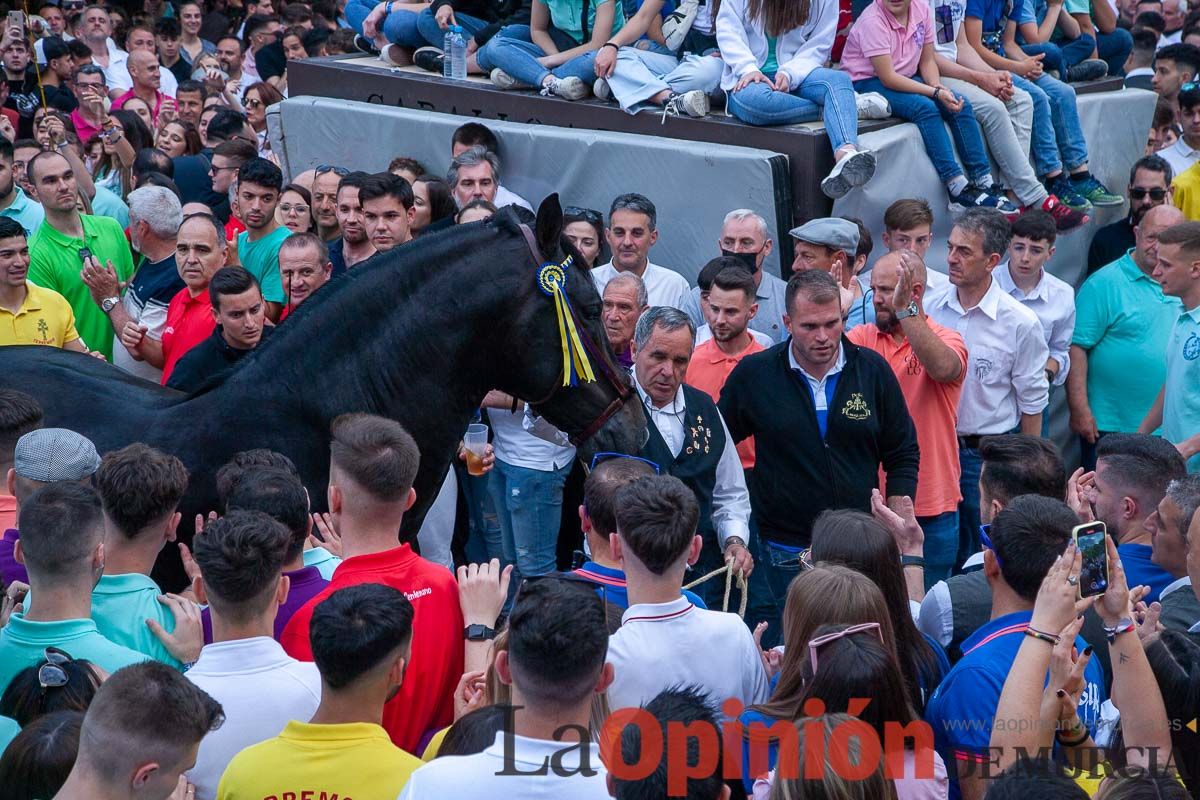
1065, 217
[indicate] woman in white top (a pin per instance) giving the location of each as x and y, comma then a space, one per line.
775, 53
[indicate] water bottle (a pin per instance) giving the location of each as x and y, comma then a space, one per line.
447, 52
456, 56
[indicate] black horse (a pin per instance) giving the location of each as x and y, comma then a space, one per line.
419, 335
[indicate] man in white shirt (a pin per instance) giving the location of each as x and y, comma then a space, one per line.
1025, 278
1006, 384
474, 134
664, 640
260, 686
632, 230
1169, 526
555, 665
745, 236
1185, 151
689, 439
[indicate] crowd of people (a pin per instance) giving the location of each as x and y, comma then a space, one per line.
856, 458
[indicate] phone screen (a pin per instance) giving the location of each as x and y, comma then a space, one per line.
1093, 576
84, 254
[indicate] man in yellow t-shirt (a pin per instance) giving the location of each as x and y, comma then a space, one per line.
361, 641
30, 314
1185, 192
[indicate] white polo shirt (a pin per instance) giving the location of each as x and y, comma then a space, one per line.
661, 645
664, 287
1006, 363
1179, 155
261, 688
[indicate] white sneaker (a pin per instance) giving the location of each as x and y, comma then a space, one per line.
568, 88
872, 105
396, 56
601, 89
677, 24
693, 104
502, 80
853, 169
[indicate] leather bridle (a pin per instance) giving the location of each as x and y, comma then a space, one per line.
598, 355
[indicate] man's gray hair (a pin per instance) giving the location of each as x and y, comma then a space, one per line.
1185, 493
991, 224
638, 203
741, 214
158, 207
473, 156
668, 318
629, 279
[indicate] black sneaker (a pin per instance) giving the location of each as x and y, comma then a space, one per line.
1092, 69
977, 197
429, 59
364, 45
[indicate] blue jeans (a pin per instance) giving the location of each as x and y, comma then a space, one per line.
433, 35
941, 546
1114, 48
927, 115
779, 566
824, 93
529, 506
1060, 56
512, 51
484, 540
760, 605
1059, 144
399, 27
968, 508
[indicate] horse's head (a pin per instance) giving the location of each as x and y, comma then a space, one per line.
594, 413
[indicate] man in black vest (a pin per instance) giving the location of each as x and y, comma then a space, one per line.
826, 416
688, 439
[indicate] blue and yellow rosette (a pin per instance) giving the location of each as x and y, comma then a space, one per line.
552, 280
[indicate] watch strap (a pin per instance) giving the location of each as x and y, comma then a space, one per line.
479, 633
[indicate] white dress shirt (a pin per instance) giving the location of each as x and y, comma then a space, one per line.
1053, 300
664, 287
1006, 362
1179, 155
517, 446
261, 688
660, 645
506, 198
116, 74
731, 501
513, 768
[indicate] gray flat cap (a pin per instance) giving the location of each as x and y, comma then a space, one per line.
55, 454
840, 234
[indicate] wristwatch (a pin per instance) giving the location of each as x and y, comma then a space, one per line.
730, 541
109, 303
911, 310
479, 633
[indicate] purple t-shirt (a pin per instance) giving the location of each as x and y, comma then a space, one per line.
306, 583
10, 570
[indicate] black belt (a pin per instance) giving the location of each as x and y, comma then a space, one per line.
970, 442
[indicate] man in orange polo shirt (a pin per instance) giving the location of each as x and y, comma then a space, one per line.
199, 252
731, 305
930, 363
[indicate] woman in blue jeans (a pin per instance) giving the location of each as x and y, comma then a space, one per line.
556, 52
775, 52
889, 50
390, 26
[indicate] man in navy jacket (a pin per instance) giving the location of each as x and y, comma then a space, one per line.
826, 416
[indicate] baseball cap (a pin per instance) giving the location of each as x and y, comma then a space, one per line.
840, 234
50, 455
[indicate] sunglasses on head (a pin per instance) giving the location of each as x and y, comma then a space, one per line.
585, 214
323, 168
600, 458
814, 645
51, 674
1157, 194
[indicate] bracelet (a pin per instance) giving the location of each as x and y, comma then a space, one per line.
387, 7
936, 91
1080, 739
613, 45
912, 561
1044, 637
515, 404
1125, 625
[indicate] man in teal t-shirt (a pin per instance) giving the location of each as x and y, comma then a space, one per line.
140, 489
259, 184
54, 251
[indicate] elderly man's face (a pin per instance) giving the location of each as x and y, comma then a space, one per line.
662, 363
476, 182
620, 314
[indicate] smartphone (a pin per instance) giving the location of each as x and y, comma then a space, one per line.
84, 255
1092, 540
16, 19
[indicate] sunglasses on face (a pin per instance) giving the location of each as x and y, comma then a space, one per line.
1156, 194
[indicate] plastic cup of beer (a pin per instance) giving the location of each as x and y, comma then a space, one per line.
475, 442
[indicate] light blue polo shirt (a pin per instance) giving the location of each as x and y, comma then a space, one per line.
8, 731
25, 211
1181, 400
261, 259
1124, 322
108, 203
325, 561
22, 644
121, 604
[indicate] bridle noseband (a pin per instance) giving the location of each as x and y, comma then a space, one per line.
597, 355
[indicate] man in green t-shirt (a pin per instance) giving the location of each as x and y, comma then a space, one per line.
57, 254
259, 184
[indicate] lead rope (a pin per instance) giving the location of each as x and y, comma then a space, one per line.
741, 583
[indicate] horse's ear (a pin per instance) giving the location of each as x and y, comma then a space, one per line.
549, 225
